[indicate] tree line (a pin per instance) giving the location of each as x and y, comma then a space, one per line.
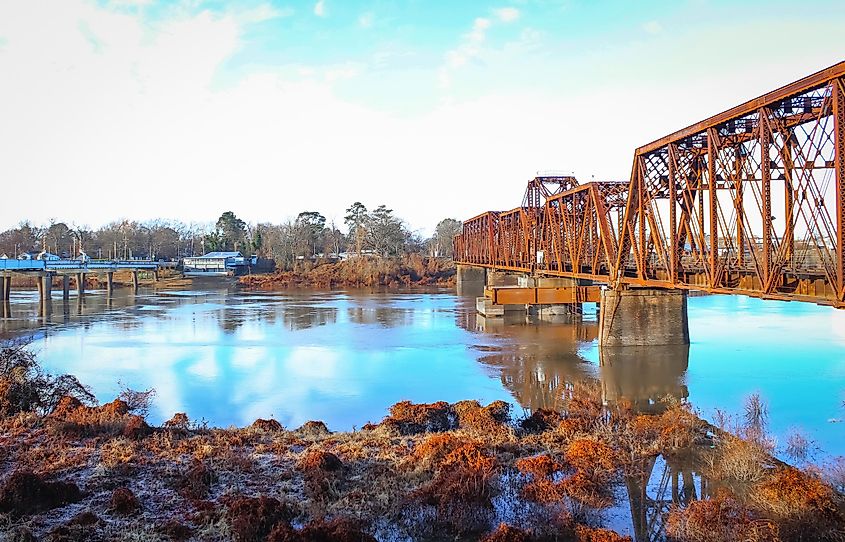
308, 236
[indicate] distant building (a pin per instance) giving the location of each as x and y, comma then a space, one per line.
217, 264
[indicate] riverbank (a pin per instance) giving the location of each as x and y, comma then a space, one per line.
72, 471
410, 270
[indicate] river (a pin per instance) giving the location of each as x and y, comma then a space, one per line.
227, 357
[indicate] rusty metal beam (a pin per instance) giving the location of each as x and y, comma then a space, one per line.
816, 80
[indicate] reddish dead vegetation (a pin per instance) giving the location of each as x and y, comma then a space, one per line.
409, 418
178, 421
506, 533
313, 429
720, 519
488, 420
336, 530
72, 418
541, 487
590, 465
124, 502
320, 461
78, 528
25, 493
175, 530
801, 504
266, 425
197, 480
464, 484
253, 518
541, 420
412, 270
595, 534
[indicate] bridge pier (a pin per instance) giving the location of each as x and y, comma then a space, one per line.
80, 284
643, 317
110, 282
65, 287
470, 280
2, 287
135, 280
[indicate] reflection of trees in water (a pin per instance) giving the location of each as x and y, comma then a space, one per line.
296, 318
384, 316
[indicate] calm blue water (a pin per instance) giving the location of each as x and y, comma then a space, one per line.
345, 357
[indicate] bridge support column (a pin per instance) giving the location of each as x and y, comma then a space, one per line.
65, 286
155, 275
110, 282
643, 316
80, 284
471, 280
135, 280
2, 288
8, 290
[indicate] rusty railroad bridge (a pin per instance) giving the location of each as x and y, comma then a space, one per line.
750, 201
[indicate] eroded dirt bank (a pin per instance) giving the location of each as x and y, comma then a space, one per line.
412, 270
73, 471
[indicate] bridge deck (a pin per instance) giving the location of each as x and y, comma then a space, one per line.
75, 266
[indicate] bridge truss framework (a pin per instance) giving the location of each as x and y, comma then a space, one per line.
750, 201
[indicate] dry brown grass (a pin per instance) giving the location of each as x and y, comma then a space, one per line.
720, 519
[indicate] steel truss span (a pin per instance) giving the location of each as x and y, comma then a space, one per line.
750, 201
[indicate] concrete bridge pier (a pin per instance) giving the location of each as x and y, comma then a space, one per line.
471, 280
45, 291
65, 287
110, 282
2, 288
135, 280
643, 317
80, 284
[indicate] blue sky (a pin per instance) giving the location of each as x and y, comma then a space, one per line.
436, 108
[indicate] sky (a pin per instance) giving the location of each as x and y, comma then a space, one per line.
144, 109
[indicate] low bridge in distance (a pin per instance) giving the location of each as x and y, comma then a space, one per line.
750, 201
47, 269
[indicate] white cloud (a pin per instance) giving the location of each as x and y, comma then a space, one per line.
320, 8
263, 12
653, 27
366, 20
507, 15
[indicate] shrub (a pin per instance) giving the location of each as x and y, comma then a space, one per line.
410, 418
253, 518
197, 480
595, 534
24, 387
25, 493
721, 519
124, 502
506, 533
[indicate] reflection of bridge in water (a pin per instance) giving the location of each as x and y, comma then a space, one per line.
547, 360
